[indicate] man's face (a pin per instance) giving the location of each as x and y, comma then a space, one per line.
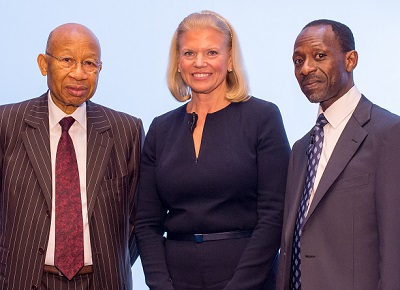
71, 87
320, 65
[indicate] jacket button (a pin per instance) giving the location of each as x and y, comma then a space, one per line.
34, 287
41, 251
48, 214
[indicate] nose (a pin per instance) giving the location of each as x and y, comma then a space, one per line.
200, 61
308, 67
77, 72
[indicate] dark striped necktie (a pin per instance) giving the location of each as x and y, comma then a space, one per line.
314, 154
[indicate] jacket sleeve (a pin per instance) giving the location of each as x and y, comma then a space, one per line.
388, 204
134, 164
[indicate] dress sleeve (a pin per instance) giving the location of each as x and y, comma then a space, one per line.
273, 152
150, 218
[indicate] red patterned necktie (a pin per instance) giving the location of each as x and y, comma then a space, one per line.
69, 223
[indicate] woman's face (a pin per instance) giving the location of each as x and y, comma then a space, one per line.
204, 61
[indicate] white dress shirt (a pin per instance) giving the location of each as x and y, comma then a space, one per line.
78, 133
338, 114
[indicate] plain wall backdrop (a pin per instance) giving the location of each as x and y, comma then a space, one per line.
135, 38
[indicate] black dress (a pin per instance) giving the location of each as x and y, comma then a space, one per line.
236, 183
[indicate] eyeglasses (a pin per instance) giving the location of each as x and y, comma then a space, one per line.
89, 66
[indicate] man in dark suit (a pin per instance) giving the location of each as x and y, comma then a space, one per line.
340, 232
107, 147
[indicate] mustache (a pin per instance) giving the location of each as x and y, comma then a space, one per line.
310, 79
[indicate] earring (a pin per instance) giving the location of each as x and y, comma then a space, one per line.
230, 70
179, 70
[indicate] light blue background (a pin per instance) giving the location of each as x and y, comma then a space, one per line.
135, 38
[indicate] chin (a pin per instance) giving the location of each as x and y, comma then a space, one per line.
313, 98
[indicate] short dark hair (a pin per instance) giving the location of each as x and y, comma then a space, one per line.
342, 32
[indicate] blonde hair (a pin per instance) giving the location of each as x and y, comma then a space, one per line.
236, 79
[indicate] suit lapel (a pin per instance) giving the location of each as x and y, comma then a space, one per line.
37, 144
99, 147
347, 145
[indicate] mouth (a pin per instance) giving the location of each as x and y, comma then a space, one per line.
77, 91
201, 75
309, 84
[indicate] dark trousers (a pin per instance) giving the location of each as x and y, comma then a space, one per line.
57, 282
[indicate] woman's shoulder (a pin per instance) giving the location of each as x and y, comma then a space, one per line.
171, 115
258, 106
168, 120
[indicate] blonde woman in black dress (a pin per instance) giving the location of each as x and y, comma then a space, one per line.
213, 171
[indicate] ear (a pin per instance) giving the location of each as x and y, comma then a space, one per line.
42, 62
351, 60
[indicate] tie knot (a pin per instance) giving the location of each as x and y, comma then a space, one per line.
321, 121
66, 123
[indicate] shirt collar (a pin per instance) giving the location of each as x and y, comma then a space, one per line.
342, 108
56, 114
